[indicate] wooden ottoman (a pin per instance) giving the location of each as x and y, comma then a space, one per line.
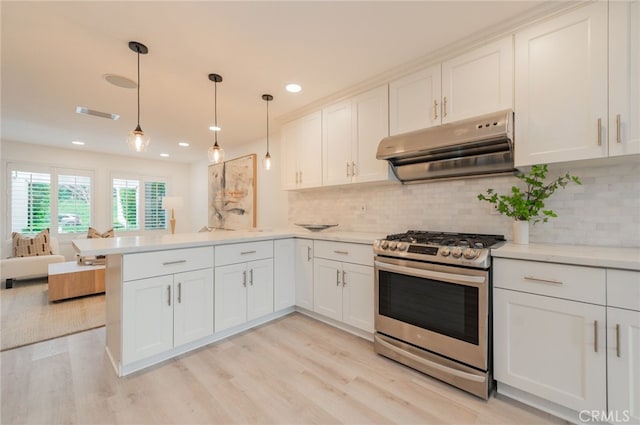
68, 280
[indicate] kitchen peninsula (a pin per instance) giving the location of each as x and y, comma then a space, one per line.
169, 294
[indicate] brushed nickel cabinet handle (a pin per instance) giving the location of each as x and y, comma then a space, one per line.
599, 131
179, 292
347, 168
169, 295
537, 279
595, 336
244, 278
251, 277
341, 252
444, 106
617, 339
300, 176
247, 252
344, 278
618, 135
308, 253
337, 277
353, 169
435, 109
168, 263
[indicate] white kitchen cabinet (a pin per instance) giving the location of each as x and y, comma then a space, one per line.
343, 291
561, 88
243, 283
474, 83
302, 150
623, 342
624, 77
163, 312
284, 262
351, 132
304, 273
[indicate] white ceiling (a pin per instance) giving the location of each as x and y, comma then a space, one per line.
54, 56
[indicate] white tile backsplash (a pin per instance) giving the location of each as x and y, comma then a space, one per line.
604, 210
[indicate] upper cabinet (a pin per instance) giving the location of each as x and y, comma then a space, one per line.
624, 77
477, 82
351, 131
576, 95
301, 150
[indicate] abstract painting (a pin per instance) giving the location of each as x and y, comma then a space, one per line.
232, 194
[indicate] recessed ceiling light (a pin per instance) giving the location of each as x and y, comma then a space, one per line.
78, 142
183, 144
214, 128
293, 88
86, 111
120, 81
164, 155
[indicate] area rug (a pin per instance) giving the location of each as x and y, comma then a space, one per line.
27, 316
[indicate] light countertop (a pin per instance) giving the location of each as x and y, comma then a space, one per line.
133, 244
595, 256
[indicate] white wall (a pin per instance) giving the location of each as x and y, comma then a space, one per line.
102, 166
272, 204
603, 211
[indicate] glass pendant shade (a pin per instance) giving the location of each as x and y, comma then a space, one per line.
216, 154
137, 140
267, 162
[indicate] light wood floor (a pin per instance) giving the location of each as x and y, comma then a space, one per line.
295, 370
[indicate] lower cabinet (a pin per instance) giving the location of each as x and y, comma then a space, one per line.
163, 312
243, 292
344, 292
304, 273
284, 290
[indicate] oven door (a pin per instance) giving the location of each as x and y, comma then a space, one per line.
442, 309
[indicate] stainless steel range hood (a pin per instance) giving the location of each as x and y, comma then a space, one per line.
473, 147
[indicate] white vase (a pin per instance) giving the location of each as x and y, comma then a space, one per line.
521, 232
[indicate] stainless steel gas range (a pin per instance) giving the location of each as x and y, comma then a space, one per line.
433, 305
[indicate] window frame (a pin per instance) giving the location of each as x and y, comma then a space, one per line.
140, 207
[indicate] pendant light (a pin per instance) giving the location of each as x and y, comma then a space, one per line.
267, 162
215, 153
137, 140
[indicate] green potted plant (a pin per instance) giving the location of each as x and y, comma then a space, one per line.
527, 205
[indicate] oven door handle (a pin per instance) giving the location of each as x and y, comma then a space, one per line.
429, 363
431, 274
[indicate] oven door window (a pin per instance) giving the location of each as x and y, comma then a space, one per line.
446, 308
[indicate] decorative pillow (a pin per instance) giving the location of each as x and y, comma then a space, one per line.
93, 233
26, 246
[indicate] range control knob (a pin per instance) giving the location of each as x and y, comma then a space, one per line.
470, 253
393, 245
384, 244
456, 252
445, 251
403, 246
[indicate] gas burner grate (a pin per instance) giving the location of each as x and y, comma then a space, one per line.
447, 239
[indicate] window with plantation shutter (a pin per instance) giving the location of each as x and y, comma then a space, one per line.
30, 201
154, 216
74, 203
125, 204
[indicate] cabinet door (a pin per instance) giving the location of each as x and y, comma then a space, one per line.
336, 144
309, 151
147, 317
284, 261
370, 123
304, 273
230, 296
624, 77
561, 88
414, 101
478, 82
552, 348
623, 362
193, 306
260, 288
289, 135
327, 288
357, 296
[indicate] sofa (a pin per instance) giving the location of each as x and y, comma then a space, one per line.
27, 267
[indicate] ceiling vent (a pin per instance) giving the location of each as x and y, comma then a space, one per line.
86, 111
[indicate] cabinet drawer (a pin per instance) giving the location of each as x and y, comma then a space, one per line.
242, 252
343, 251
158, 263
623, 289
576, 283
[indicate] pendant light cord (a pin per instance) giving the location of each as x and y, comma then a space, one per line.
138, 50
215, 110
267, 127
